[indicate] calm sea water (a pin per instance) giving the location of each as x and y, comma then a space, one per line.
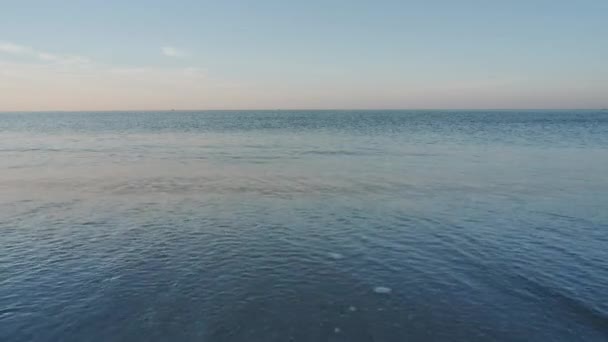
304, 226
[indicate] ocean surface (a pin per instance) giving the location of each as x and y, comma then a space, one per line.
262, 226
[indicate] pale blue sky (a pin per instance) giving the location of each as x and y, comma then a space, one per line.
71, 55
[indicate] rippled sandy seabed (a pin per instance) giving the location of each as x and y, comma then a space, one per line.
304, 226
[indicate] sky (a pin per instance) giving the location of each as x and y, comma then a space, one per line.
145, 55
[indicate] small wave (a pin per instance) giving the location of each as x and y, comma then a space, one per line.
593, 315
382, 290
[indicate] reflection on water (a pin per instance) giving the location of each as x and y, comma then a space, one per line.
303, 226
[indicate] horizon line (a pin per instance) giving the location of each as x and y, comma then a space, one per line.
290, 109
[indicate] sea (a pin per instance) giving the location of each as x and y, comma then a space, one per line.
280, 225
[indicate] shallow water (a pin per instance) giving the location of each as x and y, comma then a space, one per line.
304, 226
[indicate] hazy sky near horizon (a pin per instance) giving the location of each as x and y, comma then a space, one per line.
113, 55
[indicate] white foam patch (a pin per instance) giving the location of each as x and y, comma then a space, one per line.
352, 308
336, 256
382, 290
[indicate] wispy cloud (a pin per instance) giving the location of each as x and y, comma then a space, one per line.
8, 47
170, 51
21, 50
73, 82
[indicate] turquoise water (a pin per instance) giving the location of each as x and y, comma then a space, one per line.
304, 226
